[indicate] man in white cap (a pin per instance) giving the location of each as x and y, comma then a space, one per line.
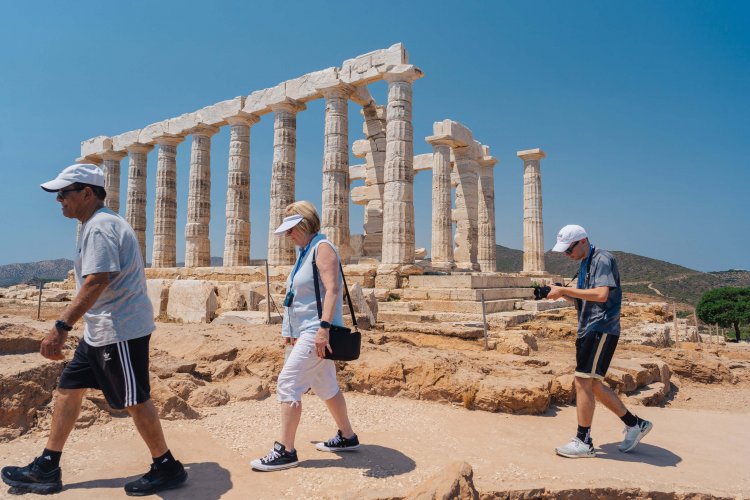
598, 299
113, 353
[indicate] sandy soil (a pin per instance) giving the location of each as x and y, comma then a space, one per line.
699, 443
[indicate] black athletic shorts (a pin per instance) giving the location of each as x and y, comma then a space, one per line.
120, 370
594, 352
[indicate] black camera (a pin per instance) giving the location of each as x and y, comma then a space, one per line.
541, 292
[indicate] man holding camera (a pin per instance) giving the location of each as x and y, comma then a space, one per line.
113, 353
598, 299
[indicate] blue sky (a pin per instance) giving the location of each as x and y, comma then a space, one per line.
642, 107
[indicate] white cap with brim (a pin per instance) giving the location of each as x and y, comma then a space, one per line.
567, 236
84, 173
287, 224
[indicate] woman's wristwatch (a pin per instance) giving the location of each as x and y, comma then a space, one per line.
325, 324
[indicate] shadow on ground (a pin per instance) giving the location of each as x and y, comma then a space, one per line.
206, 480
377, 461
645, 453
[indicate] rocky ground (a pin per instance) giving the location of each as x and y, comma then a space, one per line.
420, 403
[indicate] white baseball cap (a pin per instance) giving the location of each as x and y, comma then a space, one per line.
567, 236
85, 173
287, 224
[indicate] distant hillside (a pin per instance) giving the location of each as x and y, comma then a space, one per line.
639, 274
56, 270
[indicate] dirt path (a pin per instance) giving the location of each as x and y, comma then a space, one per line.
404, 443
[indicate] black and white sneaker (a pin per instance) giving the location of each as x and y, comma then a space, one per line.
157, 479
277, 459
339, 443
33, 478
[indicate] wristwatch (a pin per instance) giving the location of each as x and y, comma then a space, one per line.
62, 325
325, 324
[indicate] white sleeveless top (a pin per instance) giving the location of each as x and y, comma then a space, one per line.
302, 316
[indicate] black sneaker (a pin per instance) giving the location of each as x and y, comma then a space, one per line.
157, 479
339, 443
33, 478
278, 458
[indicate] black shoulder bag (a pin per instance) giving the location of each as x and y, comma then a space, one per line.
344, 342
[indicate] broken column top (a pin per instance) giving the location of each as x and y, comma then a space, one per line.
532, 154
450, 132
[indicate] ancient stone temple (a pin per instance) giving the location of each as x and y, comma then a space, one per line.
462, 176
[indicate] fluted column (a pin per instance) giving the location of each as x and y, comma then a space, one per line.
135, 212
487, 251
442, 217
111, 167
374, 130
197, 243
237, 241
165, 205
533, 226
467, 206
335, 209
281, 250
398, 175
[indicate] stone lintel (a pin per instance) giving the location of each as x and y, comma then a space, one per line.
96, 145
122, 141
445, 140
307, 87
488, 161
371, 66
402, 73
532, 154
287, 104
454, 130
423, 162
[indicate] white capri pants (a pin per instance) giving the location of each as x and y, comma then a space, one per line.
304, 370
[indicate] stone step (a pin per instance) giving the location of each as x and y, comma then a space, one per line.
397, 305
491, 306
445, 329
466, 294
542, 305
469, 281
401, 316
246, 318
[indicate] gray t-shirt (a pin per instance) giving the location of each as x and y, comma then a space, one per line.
600, 316
107, 244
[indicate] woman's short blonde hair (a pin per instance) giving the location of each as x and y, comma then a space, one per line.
310, 220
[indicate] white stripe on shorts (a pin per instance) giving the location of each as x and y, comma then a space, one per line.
127, 372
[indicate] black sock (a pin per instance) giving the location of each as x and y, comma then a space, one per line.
629, 419
584, 434
166, 460
50, 460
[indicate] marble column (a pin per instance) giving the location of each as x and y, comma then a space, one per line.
398, 175
165, 205
111, 167
467, 206
281, 250
533, 226
374, 130
487, 251
197, 242
442, 217
237, 241
335, 206
135, 211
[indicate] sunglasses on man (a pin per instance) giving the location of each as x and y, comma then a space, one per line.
572, 247
61, 194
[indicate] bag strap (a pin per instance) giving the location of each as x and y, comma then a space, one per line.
317, 290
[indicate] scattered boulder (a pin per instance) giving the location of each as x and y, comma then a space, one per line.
19, 339
366, 307
170, 405
158, 294
454, 481
247, 388
192, 301
697, 366
230, 297
527, 394
520, 343
208, 396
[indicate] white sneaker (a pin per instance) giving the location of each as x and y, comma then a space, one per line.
633, 435
576, 449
